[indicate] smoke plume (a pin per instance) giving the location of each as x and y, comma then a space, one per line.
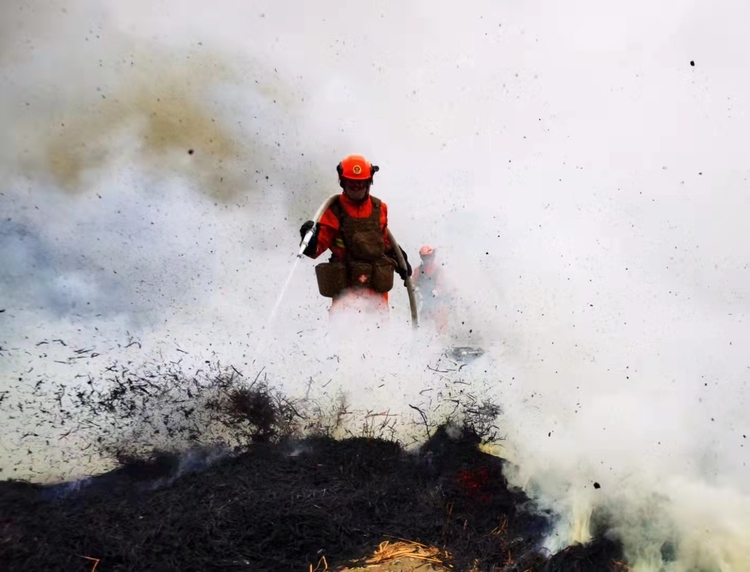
580, 171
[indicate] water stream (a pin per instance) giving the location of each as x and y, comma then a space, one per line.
266, 330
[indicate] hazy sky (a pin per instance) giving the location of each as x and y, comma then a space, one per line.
585, 183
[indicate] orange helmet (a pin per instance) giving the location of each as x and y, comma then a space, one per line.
357, 168
426, 250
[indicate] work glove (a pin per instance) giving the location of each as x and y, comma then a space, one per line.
401, 272
312, 246
305, 228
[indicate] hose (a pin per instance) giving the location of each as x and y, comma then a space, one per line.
396, 248
407, 282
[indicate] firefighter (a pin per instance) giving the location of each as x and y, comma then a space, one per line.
354, 228
430, 284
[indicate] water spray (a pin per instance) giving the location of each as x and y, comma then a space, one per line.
303, 245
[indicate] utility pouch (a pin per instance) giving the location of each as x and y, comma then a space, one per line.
382, 276
331, 278
361, 274
367, 245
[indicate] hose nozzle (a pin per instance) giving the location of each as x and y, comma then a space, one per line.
305, 242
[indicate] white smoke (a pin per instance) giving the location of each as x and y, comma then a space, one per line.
584, 184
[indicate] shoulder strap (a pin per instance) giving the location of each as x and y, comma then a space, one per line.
337, 209
376, 204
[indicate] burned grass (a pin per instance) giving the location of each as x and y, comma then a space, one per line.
269, 496
275, 507
285, 506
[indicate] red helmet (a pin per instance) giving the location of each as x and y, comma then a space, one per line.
357, 168
426, 250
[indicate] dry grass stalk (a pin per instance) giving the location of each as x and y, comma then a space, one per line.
94, 560
388, 550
